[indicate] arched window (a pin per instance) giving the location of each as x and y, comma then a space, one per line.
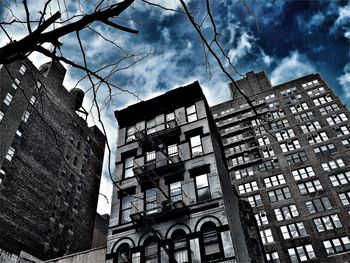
180, 246
151, 250
123, 254
210, 241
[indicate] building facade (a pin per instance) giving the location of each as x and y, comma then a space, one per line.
50, 161
288, 155
173, 200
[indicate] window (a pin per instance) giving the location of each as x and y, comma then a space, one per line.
279, 124
151, 250
247, 187
128, 167
123, 253
244, 172
304, 116
151, 201
342, 130
345, 142
336, 118
151, 126
269, 165
130, 134
327, 222
169, 117
276, 114
310, 187
191, 113
266, 236
299, 107
22, 69
290, 145
325, 150
263, 140
196, 146
202, 187
272, 257
330, 108
332, 165
16, 83
1, 116
296, 158
175, 191
125, 208
279, 194
316, 92
310, 84
261, 218
293, 230
232, 129
322, 100
254, 200
274, 180
270, 97
337, 245
340, 179
18, 133
274, 105
173, 150
210, 241
268, 152
344, 198
239, 160
32, 100
286, 212
292, 98
25, 116
303, 173
235, 138
282, 135
317, 137
8, 99
150, 156
236, 149
302, 253
180, 245
310, 127
289, 91
318, 205
10, 153
255, 122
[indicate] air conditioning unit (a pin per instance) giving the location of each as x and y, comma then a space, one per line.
195, 154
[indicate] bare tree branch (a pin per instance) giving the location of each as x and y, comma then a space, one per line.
10, 52
28, 16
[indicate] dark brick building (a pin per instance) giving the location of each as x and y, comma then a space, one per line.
289, 157
50, 162
173, 199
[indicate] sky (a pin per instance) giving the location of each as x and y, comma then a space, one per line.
286, 39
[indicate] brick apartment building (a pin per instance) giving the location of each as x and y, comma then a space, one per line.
50, 164
289, 157
173, 200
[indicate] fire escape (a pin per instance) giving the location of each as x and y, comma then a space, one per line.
163, 206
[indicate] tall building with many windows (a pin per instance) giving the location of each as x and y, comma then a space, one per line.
173, 200
50, 164
288, 155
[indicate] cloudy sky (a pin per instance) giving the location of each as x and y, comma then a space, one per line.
285, 38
